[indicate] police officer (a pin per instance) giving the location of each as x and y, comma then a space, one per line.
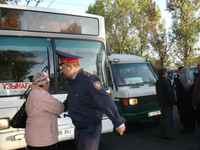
86, 102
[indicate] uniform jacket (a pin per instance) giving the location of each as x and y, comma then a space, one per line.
87, 101
42, 111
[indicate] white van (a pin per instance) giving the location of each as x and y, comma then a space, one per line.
132, 81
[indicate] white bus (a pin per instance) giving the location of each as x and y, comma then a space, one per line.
28, 39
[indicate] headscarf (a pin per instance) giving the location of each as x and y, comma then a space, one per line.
41, 79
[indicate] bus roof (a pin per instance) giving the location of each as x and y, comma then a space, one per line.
50, 10
125, 58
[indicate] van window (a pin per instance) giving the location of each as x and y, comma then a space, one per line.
133, 74
20, 59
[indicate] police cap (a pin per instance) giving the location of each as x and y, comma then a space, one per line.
67, 57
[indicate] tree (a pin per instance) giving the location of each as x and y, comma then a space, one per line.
118, 23
2, 1
160, 44
36, 2
127, 23
145, 17
186, 27
9, 1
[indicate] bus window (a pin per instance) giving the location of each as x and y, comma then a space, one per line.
20, 59
91, 53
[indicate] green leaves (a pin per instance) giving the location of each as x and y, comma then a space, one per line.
2, 1
135, 26
27, 2
127, 23
186, 28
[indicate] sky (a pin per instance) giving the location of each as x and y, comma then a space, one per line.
166, 16
74, 5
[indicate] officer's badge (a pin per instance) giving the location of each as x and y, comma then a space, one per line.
97, 85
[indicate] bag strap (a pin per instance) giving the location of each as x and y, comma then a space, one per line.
26, 93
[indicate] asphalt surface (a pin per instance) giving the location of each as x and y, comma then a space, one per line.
142, 136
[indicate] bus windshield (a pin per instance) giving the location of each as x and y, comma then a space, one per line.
133, 74
90, 52
23, 57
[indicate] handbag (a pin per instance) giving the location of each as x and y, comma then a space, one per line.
19, 119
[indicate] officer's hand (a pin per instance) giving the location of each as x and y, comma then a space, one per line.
121, 129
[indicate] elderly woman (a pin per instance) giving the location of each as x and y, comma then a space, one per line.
41, 132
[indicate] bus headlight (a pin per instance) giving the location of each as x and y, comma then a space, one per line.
4, 123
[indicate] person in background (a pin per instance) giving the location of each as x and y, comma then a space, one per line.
166, 99
86, 102
196, 97
197, 74
41, 132
184, 101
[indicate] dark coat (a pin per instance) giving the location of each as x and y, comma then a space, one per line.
184, 104
196, 92
165, 93
181, 92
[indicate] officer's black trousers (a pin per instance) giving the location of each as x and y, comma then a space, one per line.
88, 138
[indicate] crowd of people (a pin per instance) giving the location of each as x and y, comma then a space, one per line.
183, 94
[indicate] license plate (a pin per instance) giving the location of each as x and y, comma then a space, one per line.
66, 132
154, 113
